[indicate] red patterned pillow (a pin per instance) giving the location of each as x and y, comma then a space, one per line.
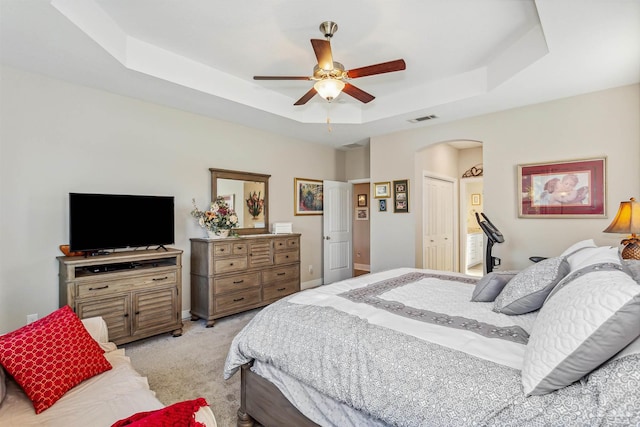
50, 356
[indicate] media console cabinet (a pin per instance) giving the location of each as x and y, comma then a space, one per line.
137, 293
232, 275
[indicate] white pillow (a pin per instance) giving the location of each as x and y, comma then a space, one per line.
589, 243
527, 291
581, 325
590, 256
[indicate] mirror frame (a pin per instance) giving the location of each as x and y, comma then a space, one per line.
243, 176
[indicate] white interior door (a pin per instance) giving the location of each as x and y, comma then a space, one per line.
337, 231
439, 219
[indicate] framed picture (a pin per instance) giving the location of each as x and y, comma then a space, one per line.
362, 214
563, 189
307, 196
381, 190
401, 196
475, 199
362, 200
382, 205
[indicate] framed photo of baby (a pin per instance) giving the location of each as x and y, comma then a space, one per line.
564, 189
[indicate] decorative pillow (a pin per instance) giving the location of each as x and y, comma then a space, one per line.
581, 326
50, 356
488, 288
178, 414
588, 260
527, 291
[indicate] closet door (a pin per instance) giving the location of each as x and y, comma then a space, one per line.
439, 219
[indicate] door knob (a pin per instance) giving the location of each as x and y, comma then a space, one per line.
328, 238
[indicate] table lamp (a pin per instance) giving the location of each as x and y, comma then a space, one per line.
627, 221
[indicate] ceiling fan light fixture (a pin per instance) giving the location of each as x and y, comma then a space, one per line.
329, 89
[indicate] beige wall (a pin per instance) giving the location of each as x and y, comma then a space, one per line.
361, 240
58, 138
357, 163
596, 124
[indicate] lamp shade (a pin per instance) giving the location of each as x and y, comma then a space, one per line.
627, 220
329, 89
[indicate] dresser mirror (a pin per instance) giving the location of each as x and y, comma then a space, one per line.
248, 194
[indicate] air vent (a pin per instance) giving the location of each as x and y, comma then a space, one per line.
422, 119
353, 145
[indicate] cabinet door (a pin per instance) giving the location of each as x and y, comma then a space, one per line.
114, 310
260, 253
155, 309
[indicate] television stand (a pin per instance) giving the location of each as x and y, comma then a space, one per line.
137, 293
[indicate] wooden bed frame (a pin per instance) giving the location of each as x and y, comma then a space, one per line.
262, 402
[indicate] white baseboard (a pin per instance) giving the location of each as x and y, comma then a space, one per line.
186, 315
310, 284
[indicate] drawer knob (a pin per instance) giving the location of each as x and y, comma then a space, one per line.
281, 274
238, 299
98, 288
237, 282
281, 289
230, 263
158, 279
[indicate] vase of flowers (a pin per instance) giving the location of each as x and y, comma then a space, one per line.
218, 221
255, 204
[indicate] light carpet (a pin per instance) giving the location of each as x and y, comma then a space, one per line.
191, 366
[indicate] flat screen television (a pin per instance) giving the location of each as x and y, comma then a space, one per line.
111, 221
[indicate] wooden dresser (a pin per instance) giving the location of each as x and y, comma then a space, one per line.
237, 274
137, 293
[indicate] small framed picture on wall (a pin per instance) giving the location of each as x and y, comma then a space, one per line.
401, 196
362, 200
362, 214
382, 205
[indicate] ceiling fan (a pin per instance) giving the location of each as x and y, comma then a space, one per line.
330, 77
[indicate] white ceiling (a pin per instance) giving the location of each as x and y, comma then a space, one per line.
464, 57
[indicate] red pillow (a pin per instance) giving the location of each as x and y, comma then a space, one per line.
51, 356
181, 414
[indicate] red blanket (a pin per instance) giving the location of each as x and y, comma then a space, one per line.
181, 414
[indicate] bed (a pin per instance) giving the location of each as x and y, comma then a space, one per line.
554, 344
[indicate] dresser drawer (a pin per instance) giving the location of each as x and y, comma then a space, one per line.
236, 282
286, 257
229, 265
280, 274
279, 290
238, 300
283, 244
108, 287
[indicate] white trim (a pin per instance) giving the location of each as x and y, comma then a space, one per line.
311, 284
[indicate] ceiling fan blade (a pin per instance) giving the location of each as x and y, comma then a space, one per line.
280, 78
358, 94
306, 97
385, 67
322, 49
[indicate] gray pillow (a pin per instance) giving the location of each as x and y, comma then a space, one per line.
527, 291
488, 288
